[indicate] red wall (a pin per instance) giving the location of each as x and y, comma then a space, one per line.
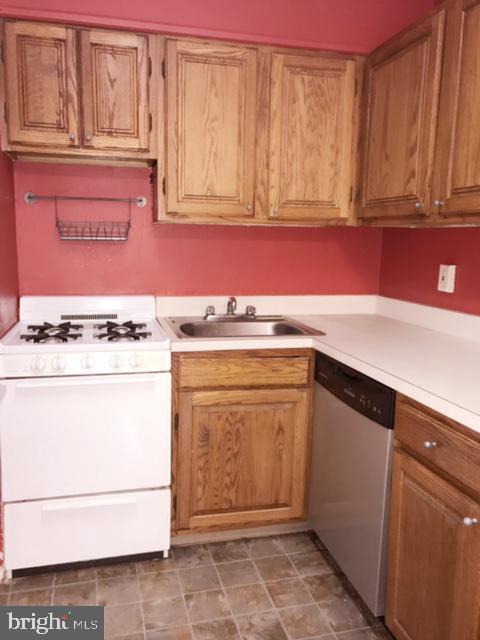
8, 254
177, 259
410, 261
347, 25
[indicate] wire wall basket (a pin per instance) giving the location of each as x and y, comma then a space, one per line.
91, 230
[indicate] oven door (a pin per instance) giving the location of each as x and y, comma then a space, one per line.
84, 435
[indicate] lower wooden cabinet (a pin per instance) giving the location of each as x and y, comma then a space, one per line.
434, 555
242, 454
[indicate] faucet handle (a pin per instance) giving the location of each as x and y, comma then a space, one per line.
250, 311
209, 312
231, 306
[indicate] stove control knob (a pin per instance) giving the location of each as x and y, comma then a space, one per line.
59, 363
38, 364
136, 361
88, 362
116, 362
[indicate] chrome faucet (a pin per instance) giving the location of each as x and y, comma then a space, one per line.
231, 306
209, 312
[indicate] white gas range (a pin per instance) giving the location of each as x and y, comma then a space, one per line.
85, 422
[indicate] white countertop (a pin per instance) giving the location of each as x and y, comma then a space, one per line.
434, 367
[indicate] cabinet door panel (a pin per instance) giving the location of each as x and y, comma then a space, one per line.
401, 106
41, 84
211, 98
243, 456
115, 78
457, 171
311, 137
434, 580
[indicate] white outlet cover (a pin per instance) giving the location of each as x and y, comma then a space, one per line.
446, 278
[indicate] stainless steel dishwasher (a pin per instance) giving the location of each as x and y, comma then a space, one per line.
350, 475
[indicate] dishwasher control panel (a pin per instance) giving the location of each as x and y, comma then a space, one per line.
367, 396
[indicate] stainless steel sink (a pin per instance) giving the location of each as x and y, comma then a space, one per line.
239, 327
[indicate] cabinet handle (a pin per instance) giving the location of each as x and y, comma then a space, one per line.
88, 137
429, 444
469, 522
438, 203
71, 137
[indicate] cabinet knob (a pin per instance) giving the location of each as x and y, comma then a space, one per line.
71, 137
469, 522
419, 205
429, 444
438, 203
249, 207
275, 211
88, 137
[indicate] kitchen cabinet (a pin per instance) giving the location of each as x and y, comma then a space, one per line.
210, 120
312, 115
81, 94
258, 135
402, 80
457, 158
241, 451
434, 555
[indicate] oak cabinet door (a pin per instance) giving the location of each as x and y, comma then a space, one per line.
243, 456
434, 558
311, 137
211, 101
400, 117
457, 169
41, 84
115, 90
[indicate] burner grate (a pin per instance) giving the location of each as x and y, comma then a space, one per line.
48, 332
116, 332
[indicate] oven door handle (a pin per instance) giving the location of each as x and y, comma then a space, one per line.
89, 503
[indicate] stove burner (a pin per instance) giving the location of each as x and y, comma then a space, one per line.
47, 332
115, 332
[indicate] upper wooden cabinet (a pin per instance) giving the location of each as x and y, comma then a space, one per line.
312, 119
457, 168
78, 93
115, 77
41, 85
211, 99
400, 121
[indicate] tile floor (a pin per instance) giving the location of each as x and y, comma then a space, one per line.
275, 588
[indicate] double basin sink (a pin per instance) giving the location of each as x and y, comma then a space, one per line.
239, 327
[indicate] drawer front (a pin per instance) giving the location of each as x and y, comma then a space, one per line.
74, 530
216, 371
437, 440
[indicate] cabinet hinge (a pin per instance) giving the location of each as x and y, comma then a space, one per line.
175, 503
164, 73
150, 121
351, 194
2, 55
149, 67
164, 190
175, 419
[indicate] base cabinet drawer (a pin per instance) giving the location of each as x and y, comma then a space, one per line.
51, 532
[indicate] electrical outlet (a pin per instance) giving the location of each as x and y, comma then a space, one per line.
446, 278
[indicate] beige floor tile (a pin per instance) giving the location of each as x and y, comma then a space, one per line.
81, 594
154, 586
311, 563
275, 568
240, 572
156, 565
123, 620
325, 587
28, 598
216, 630
289, 592
29, 583
297, 543
207, 605
304, 622
248, 598
343, 614
261, 626
177, 633
116, 570
77, 575
228, 551
263, 547
192, 556
118, 590
198, 579
165, 612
